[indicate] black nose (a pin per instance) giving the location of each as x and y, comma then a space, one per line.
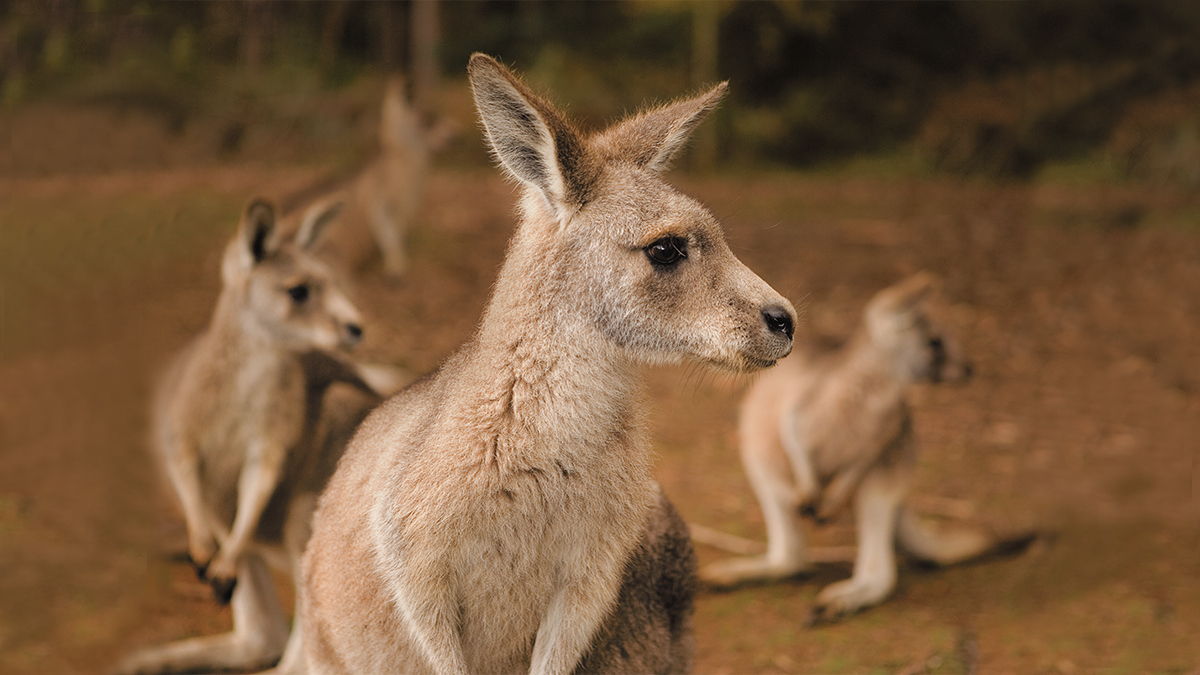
778, 320
354, 331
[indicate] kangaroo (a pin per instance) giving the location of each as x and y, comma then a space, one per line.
384, 196
500, 515
246, 434
824, 429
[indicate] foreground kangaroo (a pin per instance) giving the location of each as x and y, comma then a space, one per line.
245, 433
500, 515
383, 198
823, 429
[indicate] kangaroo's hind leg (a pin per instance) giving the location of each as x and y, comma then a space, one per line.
770, 475
877, 506
258, 637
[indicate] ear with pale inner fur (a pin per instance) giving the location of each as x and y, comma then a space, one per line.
651, 139
892, 309
316, 220
257, 233
903, 296
530, 138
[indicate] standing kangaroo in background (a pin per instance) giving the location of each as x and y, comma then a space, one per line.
824, 429
384, 197
248, 437
500, 515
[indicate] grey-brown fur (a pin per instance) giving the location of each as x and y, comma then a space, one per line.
249, 423
830, 428
500, 515
382, 200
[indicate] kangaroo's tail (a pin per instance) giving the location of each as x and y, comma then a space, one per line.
948, 543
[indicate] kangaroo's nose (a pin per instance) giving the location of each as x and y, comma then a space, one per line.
355, 332
779, 320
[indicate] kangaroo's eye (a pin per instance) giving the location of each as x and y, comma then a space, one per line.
936, 344
667, 251
299, 293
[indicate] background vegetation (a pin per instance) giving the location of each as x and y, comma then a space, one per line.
992, 88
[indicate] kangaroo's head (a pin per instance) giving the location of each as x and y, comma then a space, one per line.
902, 324
623, 253
279, 290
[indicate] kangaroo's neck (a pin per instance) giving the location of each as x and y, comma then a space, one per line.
240, 343
541, 384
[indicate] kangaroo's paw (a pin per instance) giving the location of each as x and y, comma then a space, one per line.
736, 571
201, 552
846, 597
223, 588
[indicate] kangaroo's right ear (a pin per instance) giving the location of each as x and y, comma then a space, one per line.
317, 219
653, 138
257, 232
530, 138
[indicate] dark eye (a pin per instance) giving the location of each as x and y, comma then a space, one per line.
667, 251
936, 344
299, 293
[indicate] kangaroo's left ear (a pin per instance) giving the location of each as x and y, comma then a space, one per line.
316, 220
652, 139
532, 140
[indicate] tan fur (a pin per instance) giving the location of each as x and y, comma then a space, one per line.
826, 430
383, 198
246, 434
500, 515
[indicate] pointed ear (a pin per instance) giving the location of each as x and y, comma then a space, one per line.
529, 137
652, 139
317, 219
905, 295
257, 232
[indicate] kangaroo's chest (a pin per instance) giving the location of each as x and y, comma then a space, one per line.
529, 533
244, 416
848, 424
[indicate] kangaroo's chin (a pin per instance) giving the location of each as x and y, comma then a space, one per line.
754, 363
741, 364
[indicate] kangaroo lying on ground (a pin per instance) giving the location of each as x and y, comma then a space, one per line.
248, 437
500, 515
383, 198
823, 429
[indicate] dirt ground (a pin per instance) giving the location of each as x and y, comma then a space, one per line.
1078, 303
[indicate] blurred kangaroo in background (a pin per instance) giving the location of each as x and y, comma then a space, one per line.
824, 429
500, 515
247, 435
383, 198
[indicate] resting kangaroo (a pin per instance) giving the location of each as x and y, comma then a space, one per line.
824, 429
500, 515
383, 198
246, 435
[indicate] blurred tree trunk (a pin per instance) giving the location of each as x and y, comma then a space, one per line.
705, 40
424, 40
333, 25
391, 36
56, 49
253, 41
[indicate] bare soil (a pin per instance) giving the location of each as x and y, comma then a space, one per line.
1079, 305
